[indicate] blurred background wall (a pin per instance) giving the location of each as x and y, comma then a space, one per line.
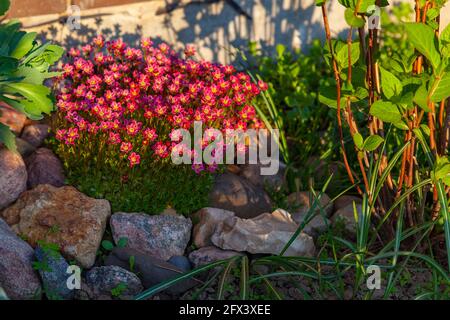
217, 27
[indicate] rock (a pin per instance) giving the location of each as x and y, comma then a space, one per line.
210, 254
35, 134
54, 274
347, 216
44, 167
170, 212
3, 295
13, 177
63, 216
315, 227
17, 276
252, 172
267, 233
108, 282
14, 119
151, 270
300, 202
24, 148
181, 262
161, 236
206, 221
237, 194
345, 200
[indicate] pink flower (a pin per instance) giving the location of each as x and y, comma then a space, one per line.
189, 51
126, 147
134, 159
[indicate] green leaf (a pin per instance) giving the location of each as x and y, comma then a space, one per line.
107, 245
319, 3
342, 55
358, 140
122, 243
328, 96
352, 19
445, 34
7, 137
421, 97
442, 170
36, 97
390, 84
372, 142
440, 88
4, 6
425, 41
388, 112
24, 45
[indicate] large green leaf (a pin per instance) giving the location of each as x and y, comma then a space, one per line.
388, 112
440, 87
24, 45
342, 55
353, 20
4, 6
372, 142
36, 97
390, 84
425, 41
7, 137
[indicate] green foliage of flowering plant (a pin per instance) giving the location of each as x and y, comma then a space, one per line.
120, 111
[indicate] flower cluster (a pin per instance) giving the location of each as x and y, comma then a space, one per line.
133, 100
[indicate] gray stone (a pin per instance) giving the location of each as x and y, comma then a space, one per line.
13, 177
150, 270
17, 276
44, 167
112, 282
317, 225
35, 134
237, 194
206, 221
161, 236
347, 216
267, 233
24, 148
181, 262
210, 254
53, 274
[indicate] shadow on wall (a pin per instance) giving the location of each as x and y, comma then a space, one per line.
231, 24
216, 27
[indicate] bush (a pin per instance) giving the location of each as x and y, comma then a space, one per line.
119, 109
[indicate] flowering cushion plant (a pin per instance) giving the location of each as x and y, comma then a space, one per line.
119, 107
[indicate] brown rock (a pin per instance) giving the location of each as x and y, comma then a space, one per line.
300, 202
63, 216
317, 225
14, 119
35, 134
345, 200
267, 233
237, 194
44, 167
207, 220
253, 173
13, 177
